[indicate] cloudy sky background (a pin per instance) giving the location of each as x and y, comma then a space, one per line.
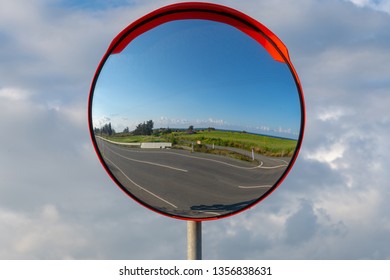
56, 201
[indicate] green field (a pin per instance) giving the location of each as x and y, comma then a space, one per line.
265, 145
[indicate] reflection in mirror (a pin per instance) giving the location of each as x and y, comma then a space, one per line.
196, 119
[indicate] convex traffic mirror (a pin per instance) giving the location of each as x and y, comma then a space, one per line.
196, 111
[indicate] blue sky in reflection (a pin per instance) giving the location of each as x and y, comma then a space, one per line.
57, 201
206, 74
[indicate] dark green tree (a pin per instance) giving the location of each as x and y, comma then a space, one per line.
107, 129
190, 129
145, 128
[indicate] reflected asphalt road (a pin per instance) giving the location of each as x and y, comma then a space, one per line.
188, 184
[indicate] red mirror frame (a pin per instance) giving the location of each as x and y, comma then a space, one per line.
213, 12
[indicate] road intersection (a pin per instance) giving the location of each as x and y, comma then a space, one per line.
195, 185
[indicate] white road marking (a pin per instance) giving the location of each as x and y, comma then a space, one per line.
273, 167
148, 162
212, 213
214, 160
149, 192
255, 187
200, 158
278, 160
240, 167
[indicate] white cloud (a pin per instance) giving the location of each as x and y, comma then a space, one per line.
328, 154
30, 235
380, 5
333, 113
14, 94
164, 121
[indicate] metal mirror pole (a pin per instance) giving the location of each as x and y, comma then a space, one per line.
194, 240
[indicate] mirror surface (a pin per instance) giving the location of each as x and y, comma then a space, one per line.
195, 119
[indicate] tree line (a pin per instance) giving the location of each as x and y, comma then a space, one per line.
105, 130
145, 128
